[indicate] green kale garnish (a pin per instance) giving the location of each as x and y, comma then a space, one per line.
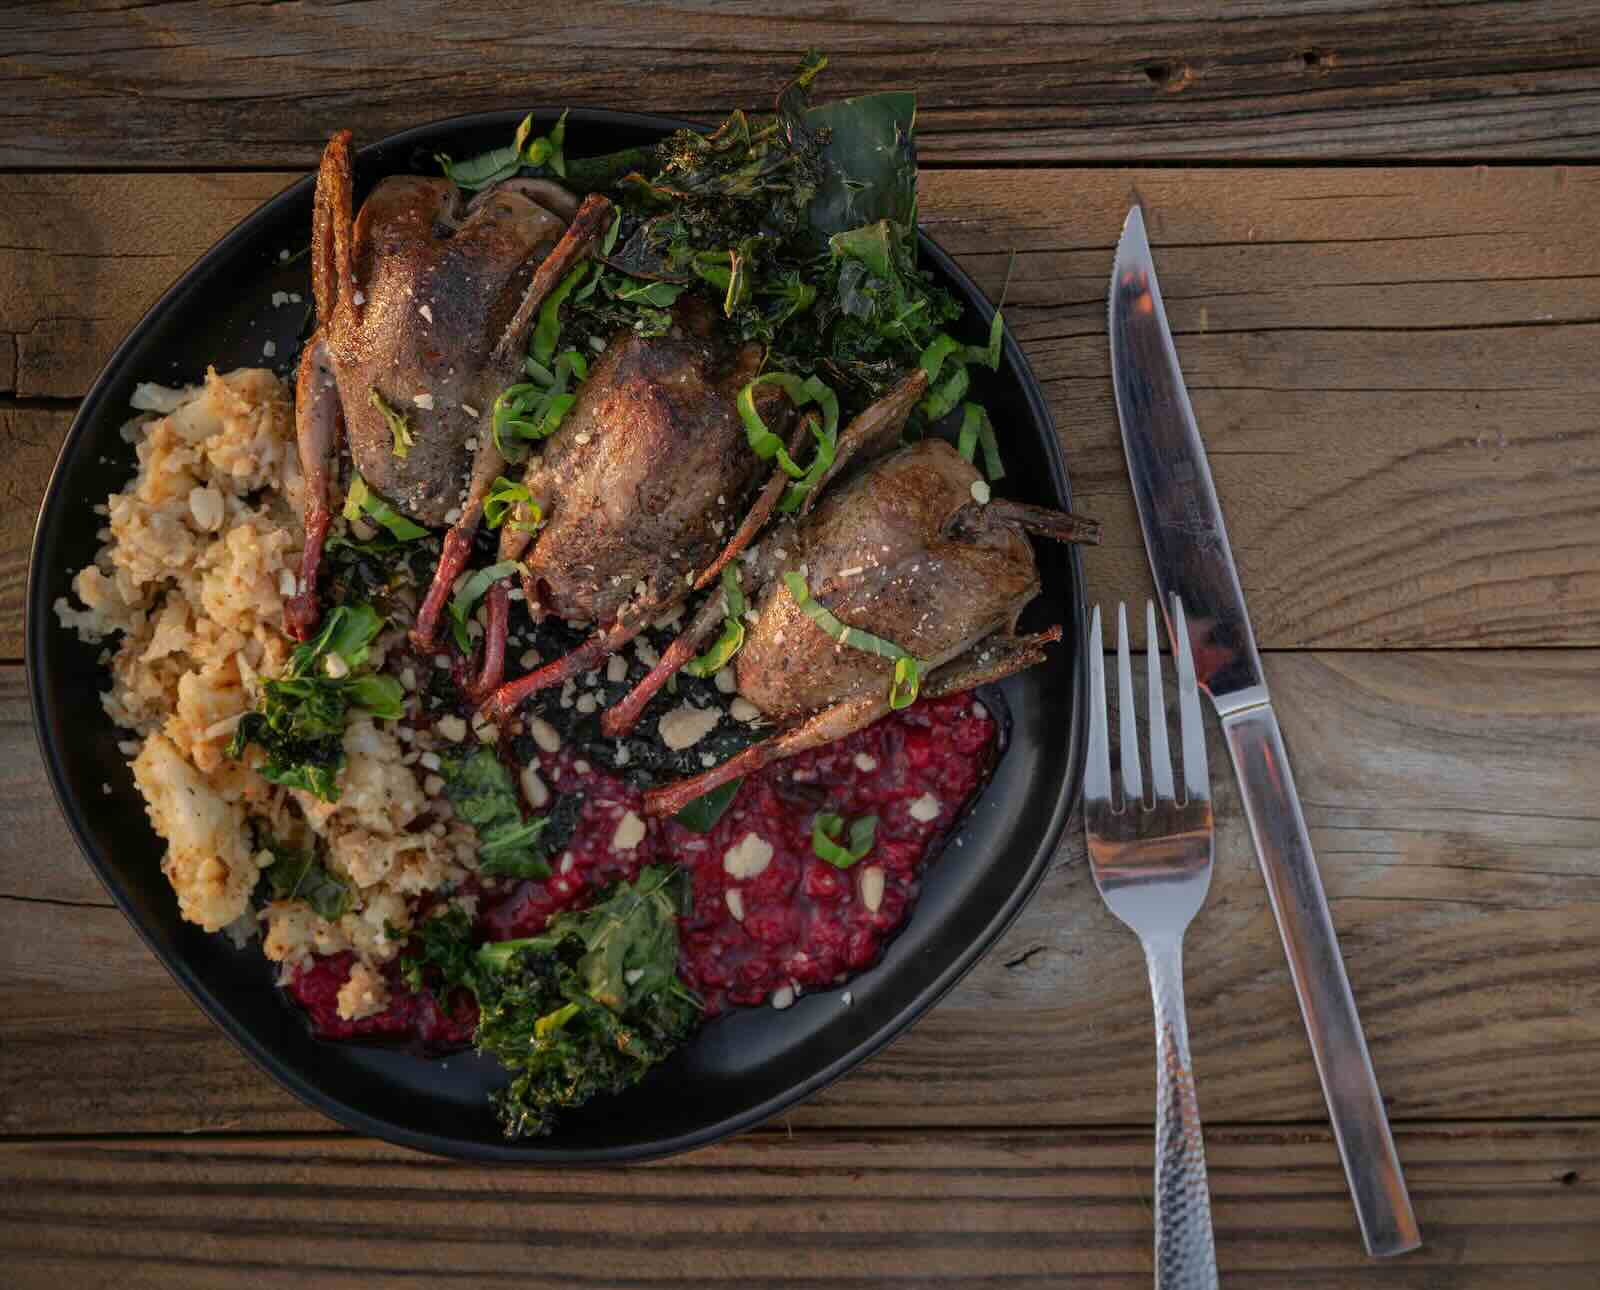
586, 1007
482, 793
300, 719
702, 814
296, 875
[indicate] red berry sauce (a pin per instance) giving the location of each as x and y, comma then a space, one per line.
798, 924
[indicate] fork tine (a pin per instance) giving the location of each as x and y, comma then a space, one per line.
1196, 783
1160, 758
1097, 770
1128, 727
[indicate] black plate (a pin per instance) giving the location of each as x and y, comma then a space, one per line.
740, 1070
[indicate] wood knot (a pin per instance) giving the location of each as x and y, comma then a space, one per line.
1171, 77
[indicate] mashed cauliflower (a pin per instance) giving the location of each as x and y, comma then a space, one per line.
199, 555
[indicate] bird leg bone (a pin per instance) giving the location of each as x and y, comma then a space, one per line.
588, 656
621, 717
318, 427
988, 661
587, 227
318, 423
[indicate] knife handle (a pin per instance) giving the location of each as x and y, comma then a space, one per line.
1360, 1125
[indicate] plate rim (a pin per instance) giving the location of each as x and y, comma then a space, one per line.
41, 621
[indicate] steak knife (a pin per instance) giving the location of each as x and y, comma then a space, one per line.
1190, 558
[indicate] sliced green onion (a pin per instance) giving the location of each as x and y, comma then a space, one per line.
721, 652
398, 425
907, 680
548, 331
472, 591
766, 445
939, 349
361, 500
947, 394
967, 441
976, 430
505, 495
828, 828
907, 668
534, 410
732, 639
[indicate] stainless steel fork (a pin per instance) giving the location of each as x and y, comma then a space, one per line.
1152, 863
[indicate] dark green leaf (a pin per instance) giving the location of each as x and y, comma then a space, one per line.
869, 161
482, 793
702, 814
382, 696
482, 171
296, 875
657, 294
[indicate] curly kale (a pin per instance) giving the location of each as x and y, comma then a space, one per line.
585, 1008
481, 791
300, 719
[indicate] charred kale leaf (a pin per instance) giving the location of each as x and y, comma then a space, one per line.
482, 793
586, 1008
296, 875
300, 719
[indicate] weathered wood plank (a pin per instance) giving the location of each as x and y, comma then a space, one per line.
1393, 368
186, 84
1451, 800
1503, 1205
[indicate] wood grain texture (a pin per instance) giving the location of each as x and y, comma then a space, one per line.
1505, 1205
1451, 801
170, 85
1393, 368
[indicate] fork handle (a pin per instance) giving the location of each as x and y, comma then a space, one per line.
1186, 1256
1355, 1107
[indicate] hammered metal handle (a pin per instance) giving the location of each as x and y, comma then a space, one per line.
1186, 1256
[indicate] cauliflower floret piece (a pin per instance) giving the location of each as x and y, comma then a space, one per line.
376, 792
295, 932
368, 928
363, 994
209, 860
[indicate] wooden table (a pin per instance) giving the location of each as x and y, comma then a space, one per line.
1377, 233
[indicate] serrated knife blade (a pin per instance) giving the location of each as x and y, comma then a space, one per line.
1190, 557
